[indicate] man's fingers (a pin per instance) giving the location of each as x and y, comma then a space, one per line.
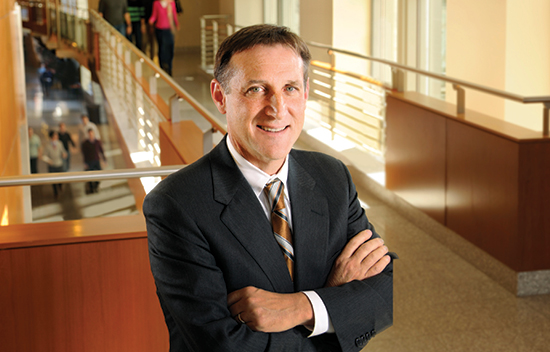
379, 266
236, 296
371, 252
355, 243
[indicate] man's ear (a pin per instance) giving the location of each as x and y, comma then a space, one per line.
218, 95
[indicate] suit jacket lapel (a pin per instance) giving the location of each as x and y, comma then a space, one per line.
310, 224
245, 218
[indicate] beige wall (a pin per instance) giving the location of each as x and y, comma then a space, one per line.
352, 23
504, 45
527, 58
248, 12
476, 46
189, 35
227, 7
316, 24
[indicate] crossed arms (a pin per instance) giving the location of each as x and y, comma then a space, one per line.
274, 312
208, 271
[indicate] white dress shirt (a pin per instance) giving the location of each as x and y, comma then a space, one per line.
257, 180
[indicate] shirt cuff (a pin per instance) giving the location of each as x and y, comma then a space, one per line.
322, 322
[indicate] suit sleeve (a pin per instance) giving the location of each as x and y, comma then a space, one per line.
360, 309
192, 290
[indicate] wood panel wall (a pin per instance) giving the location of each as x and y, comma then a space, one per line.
82, 285
180, 143
423, 165
484, 178
12, 118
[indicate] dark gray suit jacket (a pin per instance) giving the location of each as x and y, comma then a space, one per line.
208, 236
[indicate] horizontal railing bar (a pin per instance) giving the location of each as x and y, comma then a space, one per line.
492, 91
209, 17
326, 66
86, 176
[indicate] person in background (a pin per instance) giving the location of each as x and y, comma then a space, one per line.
165, 19
46, 80
54, 155
116, 13
137, 17
84, 127
150, 32
93, 154
35, 150
66, 139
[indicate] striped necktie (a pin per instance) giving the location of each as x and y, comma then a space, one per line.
279, 221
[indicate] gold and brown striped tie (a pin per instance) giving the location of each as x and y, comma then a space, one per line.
279, 221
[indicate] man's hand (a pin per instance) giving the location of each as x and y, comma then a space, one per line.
359, 260
268, 311
129, 29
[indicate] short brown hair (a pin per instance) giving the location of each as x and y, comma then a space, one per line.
248, 37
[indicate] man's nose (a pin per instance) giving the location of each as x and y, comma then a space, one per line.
276, 105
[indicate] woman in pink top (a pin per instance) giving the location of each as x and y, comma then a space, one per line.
165, 19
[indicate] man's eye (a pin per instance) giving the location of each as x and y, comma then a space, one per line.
255, 90
290, 89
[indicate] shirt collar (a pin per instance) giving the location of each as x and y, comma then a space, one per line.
256, 177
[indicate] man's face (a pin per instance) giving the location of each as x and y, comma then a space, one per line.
266, 104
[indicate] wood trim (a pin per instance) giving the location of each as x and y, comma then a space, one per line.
180, 142
72, 231
472, 118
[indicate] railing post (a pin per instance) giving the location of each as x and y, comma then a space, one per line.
215, 39
175, 108
460, 99
545, 120
398, 79
203, 43
138, 68
127, 57
153, 85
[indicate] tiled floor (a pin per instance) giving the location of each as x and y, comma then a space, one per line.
441, 302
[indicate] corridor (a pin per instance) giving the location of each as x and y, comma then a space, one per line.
441, 301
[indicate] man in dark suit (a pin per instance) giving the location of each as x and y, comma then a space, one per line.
229, 275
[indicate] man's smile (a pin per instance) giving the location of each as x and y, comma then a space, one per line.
268, 129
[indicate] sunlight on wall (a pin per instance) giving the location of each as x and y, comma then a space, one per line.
4, 221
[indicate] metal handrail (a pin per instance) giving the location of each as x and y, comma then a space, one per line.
86, 176
213, 120
458, 84
492, 91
